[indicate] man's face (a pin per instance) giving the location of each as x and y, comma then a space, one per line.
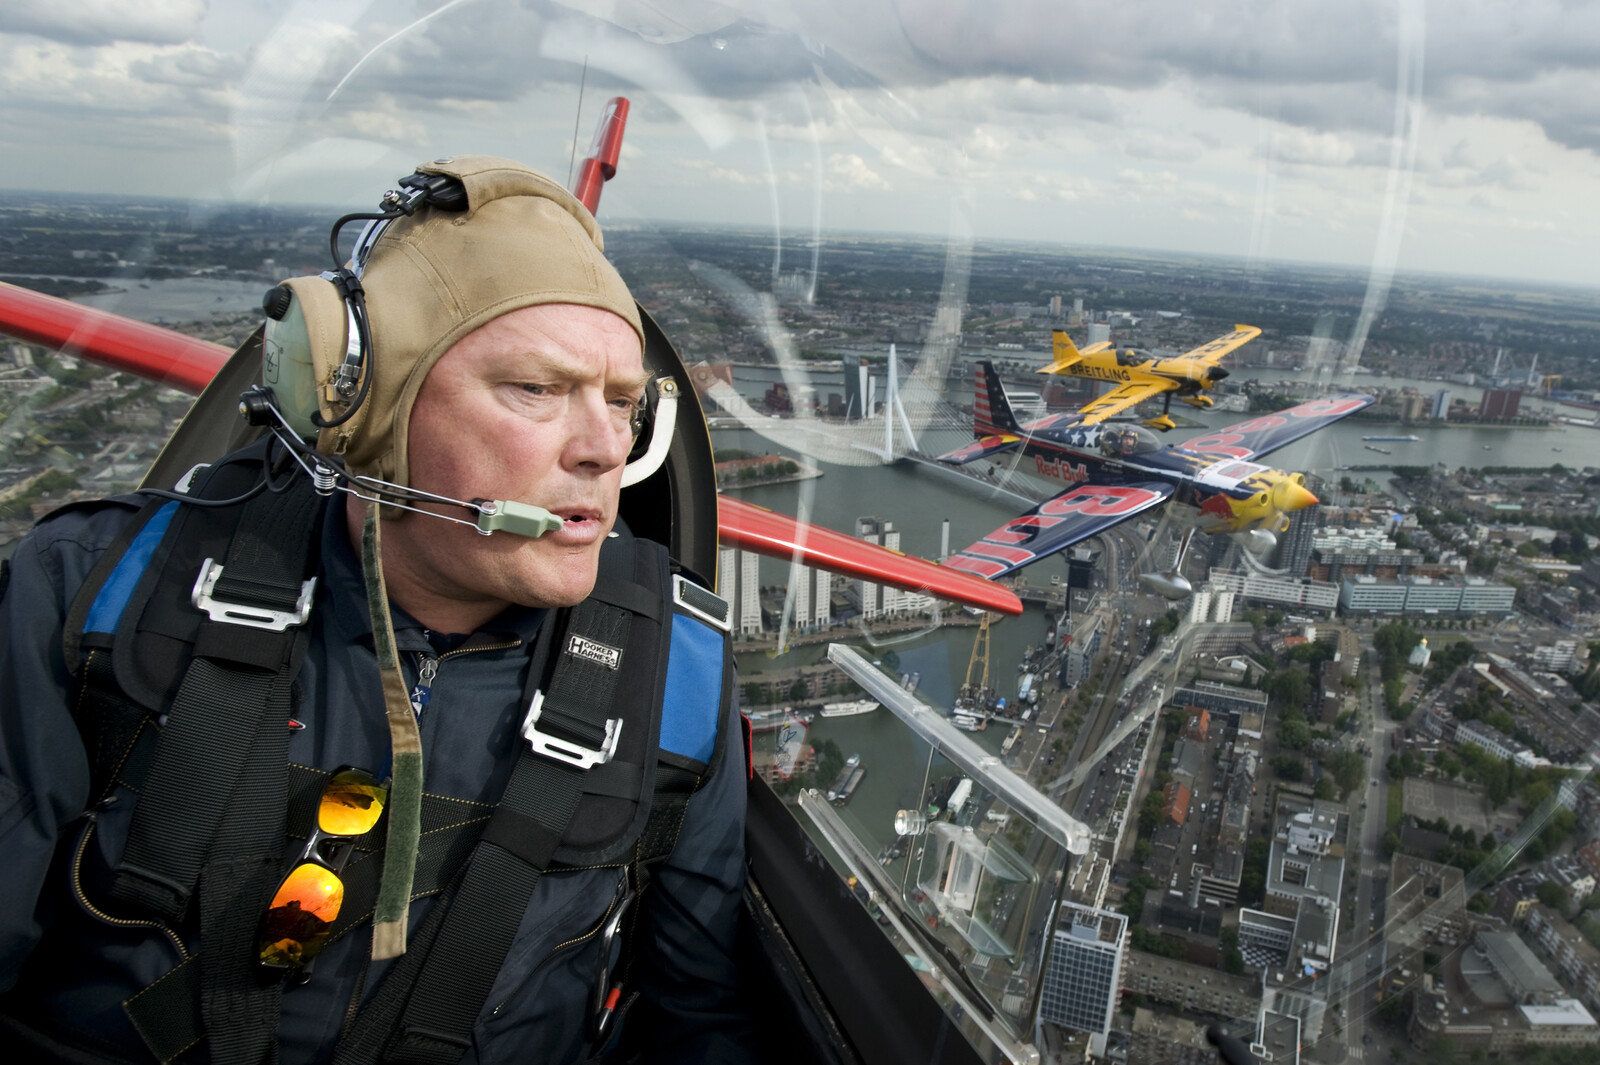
535, 406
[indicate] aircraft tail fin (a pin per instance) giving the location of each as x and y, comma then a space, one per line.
991, 410
1066, 353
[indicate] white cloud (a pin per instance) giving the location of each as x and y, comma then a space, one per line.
1259, 125
850, 171
1317, 149
1163, 149
92, 22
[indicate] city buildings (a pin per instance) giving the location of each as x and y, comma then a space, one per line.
749, 594
1499, 403
1084, 973
1161, 1039
1193, 988
1365, 594
1280, 591
1485, 736
1497, 997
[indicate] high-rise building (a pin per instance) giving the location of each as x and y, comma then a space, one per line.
855, 398
750, 593
1222, 607
822, 606
1295, 543
1499, 403
867, 528
1055, 306
800, 589
1099, 332
1081, 562
894, 600
1084, 973
728, 575
1441, 404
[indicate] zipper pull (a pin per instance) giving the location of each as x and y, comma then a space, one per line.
422, 691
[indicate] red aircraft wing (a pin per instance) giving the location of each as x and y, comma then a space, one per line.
1076, 514
1266, 433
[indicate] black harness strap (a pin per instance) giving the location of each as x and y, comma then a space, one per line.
202, 749
211, 813
240, 1014
424, 1012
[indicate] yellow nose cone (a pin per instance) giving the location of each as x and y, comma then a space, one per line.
1289, 496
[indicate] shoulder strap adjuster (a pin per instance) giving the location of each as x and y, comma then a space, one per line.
250, 615
563, 750
706, 605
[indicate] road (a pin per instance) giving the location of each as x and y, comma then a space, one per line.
1361, 949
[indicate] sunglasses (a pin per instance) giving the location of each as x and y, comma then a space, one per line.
295, 927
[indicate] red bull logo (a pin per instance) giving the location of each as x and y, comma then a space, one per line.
1070, 472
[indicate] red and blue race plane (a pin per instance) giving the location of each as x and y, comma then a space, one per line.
1117, 470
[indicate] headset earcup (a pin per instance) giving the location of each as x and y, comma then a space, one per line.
302, 348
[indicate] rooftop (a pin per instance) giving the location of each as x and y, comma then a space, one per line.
1564, 1011
1518, 968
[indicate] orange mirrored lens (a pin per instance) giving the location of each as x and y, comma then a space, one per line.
296, 925
351, 804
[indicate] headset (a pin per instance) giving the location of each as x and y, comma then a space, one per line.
317, 349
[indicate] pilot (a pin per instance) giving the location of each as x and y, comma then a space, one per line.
386, 788
1119, 443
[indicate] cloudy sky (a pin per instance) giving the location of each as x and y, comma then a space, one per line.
1457, 137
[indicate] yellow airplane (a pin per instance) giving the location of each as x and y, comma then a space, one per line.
1139, 375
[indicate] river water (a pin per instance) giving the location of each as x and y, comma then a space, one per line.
178, 299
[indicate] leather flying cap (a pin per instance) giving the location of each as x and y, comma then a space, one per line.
436, 276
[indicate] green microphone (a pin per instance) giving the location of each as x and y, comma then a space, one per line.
520, 519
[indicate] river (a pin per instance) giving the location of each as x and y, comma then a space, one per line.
177, 299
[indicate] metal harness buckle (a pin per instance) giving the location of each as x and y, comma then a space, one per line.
565, 750
253, 617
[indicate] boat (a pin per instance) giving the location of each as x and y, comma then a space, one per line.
1486, 447
965, 719
1392, 439
848, 780
1379, 450
860, 706
770, 720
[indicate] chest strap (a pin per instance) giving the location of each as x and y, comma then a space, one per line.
426, 1007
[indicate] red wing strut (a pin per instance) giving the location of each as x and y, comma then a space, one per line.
1076, 514
766, 532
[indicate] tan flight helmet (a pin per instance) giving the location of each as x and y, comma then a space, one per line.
435, 276
491, 236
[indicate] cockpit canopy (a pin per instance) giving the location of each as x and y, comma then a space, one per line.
1120, 441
